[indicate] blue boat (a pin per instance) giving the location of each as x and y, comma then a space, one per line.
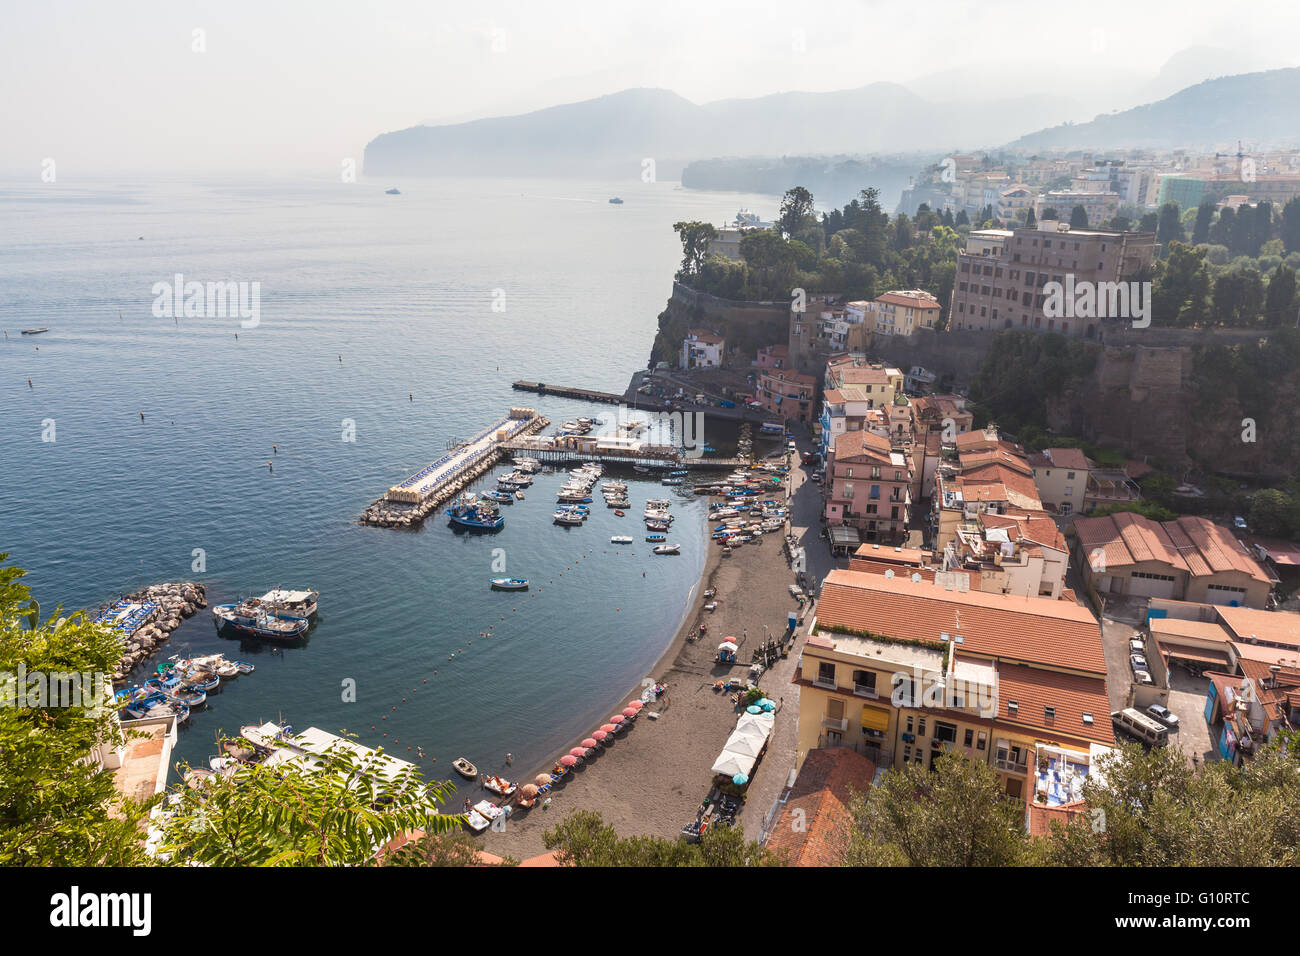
252, 619
177, 691
156, 705
500, 497
509, 584
469, 512
678, 474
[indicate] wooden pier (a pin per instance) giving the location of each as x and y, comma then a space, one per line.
580, 394
651, 456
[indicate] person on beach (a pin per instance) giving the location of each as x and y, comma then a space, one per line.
509, 757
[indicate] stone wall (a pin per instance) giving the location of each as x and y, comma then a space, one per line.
747, 326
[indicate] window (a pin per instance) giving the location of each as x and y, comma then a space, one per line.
983, 741
920, 727
848, 489
970, 735
945, 732
826, 673
910, 719
864, 682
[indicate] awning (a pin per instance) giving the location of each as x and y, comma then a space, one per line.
1201, 655
875, 718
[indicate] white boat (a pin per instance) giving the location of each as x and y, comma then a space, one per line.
659, 504
482, 815
297, 603
667, 549
620, 539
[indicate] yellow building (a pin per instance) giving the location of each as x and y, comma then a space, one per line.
902, 670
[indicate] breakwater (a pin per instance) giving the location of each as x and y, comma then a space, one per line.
145, 619
407, 504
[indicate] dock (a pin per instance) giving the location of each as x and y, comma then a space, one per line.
565, 450
408, 503
647, 403
564, 391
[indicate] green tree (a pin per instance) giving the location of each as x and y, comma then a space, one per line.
1280, 301
695, 237
452, 848
1149, 222
771, 263
1181, 288
584, 839
58, 807
1290, 227
1169, 227
962, 219
796, 211
952, 815
1271, 512
1204, 217
1030, 221
1078, 218
340, 809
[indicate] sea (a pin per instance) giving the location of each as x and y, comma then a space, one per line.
240, 450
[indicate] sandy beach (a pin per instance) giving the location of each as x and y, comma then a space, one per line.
651, 780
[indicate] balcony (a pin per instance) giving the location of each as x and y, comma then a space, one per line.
825, 683
1011, 766
865, 690
837, 724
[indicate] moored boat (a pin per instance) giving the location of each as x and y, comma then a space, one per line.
250, 618
468, 512
464, 768
499, 785
509, 584
667, 549
656, 537
295, 603
620, 539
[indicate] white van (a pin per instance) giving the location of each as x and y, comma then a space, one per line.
1141, 727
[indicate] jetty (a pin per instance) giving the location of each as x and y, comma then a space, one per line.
144, 620
408, 503
647, 403
564, 391
565, 449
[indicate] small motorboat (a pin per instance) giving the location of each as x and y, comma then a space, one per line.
620, 512
34, 331
464, 768
393, 192
620, 539
502, 497
656, 537
244, 667
667, 549
499, 785
615, 201
509, 584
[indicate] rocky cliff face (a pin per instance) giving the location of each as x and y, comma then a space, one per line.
747, 326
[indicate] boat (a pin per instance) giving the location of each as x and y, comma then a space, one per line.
244, 667
657, 526
250, 618
469, 512
215, 664
615, 201
667, 549
670, 481
482, 814
500, 497
680, 473
620, 513
527, 465
499, 785
656, 537
569, 518
393, 192
34, 331
509, 584
620, 539
297, 603
464, 768
658, 504
642, 469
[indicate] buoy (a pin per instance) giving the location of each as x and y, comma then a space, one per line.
270, 467
275, 449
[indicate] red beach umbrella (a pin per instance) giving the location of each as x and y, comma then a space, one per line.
577, 751
637, 704
590, 742
629, 711
607, 728
600, 734
617, 719
568, 760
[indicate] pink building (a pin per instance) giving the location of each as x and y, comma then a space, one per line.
787, 394
869, 487
773, 356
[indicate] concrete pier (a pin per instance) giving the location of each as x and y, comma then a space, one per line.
407, 504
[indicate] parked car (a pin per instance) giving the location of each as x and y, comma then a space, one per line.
1138, 662
817, 477
1142, 677
1164, 715
1136, 646
1239, 523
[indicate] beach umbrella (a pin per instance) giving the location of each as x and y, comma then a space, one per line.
608, 728
577, 751
637, 704
727, 646
740, 779
542, 779
600, 734
529, 790
568, 760
629, 711
753, 709
617, 719
590, 742
767, 705
764, 701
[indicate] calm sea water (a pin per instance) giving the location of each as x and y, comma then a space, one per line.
402, 288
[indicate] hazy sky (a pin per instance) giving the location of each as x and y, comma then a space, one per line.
299, 85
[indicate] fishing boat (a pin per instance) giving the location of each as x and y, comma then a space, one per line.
297, 603
569, 518
620, 539
499, 785
469, 512
656, 537
509, 584
615, 201
573, 497
508, 483
670, 481
667, 549
34, 331
658, 504
657, 526
617, 503
393, 192
680, 473
251, 619
527, 465
244, 667
216, 664
621, 514
464, 768
500, 497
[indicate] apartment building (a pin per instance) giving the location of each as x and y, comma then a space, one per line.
868, 486
1098, 206
702, 349
787, 394
903, 670
1005, 290
901, 312
1061, 475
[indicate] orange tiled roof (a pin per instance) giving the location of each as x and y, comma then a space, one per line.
1276, 627
1033, 689
820, 801
1192, 544
1033, 630
862, 443
915, 300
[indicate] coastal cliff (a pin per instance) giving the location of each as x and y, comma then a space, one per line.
746, 326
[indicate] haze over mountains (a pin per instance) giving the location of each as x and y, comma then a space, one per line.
612, 135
